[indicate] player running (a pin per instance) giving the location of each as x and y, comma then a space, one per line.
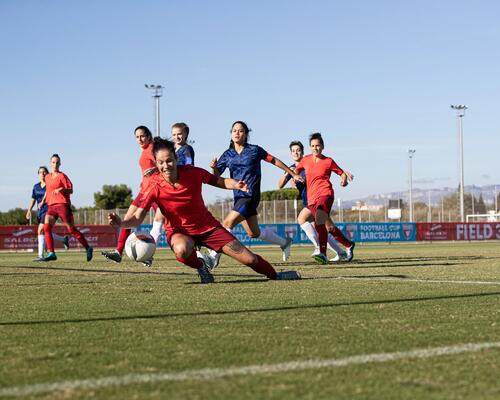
305, 218
144, 139
37, 195
318, 169
178, 192
58, 189
243, 160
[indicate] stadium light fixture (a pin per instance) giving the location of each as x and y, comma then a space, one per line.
460, 113
411, 152
157, 91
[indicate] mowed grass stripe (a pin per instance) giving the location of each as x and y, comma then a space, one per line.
215, 373
396, 279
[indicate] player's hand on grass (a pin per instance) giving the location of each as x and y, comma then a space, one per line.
114, 220
150, 171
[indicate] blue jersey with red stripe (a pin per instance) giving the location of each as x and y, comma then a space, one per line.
244, 166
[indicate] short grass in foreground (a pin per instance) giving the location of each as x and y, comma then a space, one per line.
71, 320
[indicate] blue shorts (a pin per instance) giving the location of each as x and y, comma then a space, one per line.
40, 216
246, 206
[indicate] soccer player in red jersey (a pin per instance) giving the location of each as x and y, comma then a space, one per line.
144, 139
320, 196
58, 188
178, 192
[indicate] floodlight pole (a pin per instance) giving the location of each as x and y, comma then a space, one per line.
460, 109
411, 152
157, 93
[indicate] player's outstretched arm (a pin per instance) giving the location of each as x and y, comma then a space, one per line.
231, 184
129, 221
280, 164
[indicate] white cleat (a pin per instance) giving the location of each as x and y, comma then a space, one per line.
350, 252
339, 258
205, 274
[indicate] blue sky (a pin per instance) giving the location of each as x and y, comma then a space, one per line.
376, 78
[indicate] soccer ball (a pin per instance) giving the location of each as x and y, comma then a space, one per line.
140, 246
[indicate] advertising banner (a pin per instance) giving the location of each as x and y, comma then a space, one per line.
24, 237
458, 231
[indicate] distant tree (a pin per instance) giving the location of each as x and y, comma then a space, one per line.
113, 196
281, 194
16, 216
480, 206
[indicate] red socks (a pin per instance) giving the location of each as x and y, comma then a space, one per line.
49, 241
339, 237
192, 261
263, 267
79, 236
122, 238
322, 237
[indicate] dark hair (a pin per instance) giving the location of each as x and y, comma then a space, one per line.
43, 167
316, 135
146, 130
183, 126
163, 144
55, 155
296, 143
245, 128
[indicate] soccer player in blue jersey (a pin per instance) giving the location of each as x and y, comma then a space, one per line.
305, 217
37, 195
243, 161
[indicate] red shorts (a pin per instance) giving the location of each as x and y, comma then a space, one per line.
61, 210
323, 203
214, 239
138, 200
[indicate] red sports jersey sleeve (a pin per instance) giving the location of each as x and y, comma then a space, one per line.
55, 182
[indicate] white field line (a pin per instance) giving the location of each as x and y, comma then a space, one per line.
375, 278
215, 373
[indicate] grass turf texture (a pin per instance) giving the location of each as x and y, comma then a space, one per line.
72, 320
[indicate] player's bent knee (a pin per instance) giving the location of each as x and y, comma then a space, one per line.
182, 250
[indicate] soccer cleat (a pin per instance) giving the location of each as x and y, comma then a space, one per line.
90, 253
113, 255
148, 263
320, 258
350, 252
51, 256
38, 259
339, 258
287, 248
204, 273
288, 276
65, 242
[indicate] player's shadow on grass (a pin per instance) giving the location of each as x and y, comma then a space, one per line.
249, 310
418, 259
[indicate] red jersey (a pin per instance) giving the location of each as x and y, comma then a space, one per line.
146, 161
318, 175
182, 205
55, 182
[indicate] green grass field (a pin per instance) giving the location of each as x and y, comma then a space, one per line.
71, 329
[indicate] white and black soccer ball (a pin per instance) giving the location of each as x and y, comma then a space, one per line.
140, 246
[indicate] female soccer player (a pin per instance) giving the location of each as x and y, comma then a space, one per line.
58, 190
37, 195
243, 160
185, 156
320, 197
177, 191
144, 139
305, 217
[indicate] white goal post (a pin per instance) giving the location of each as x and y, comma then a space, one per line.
490, 217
